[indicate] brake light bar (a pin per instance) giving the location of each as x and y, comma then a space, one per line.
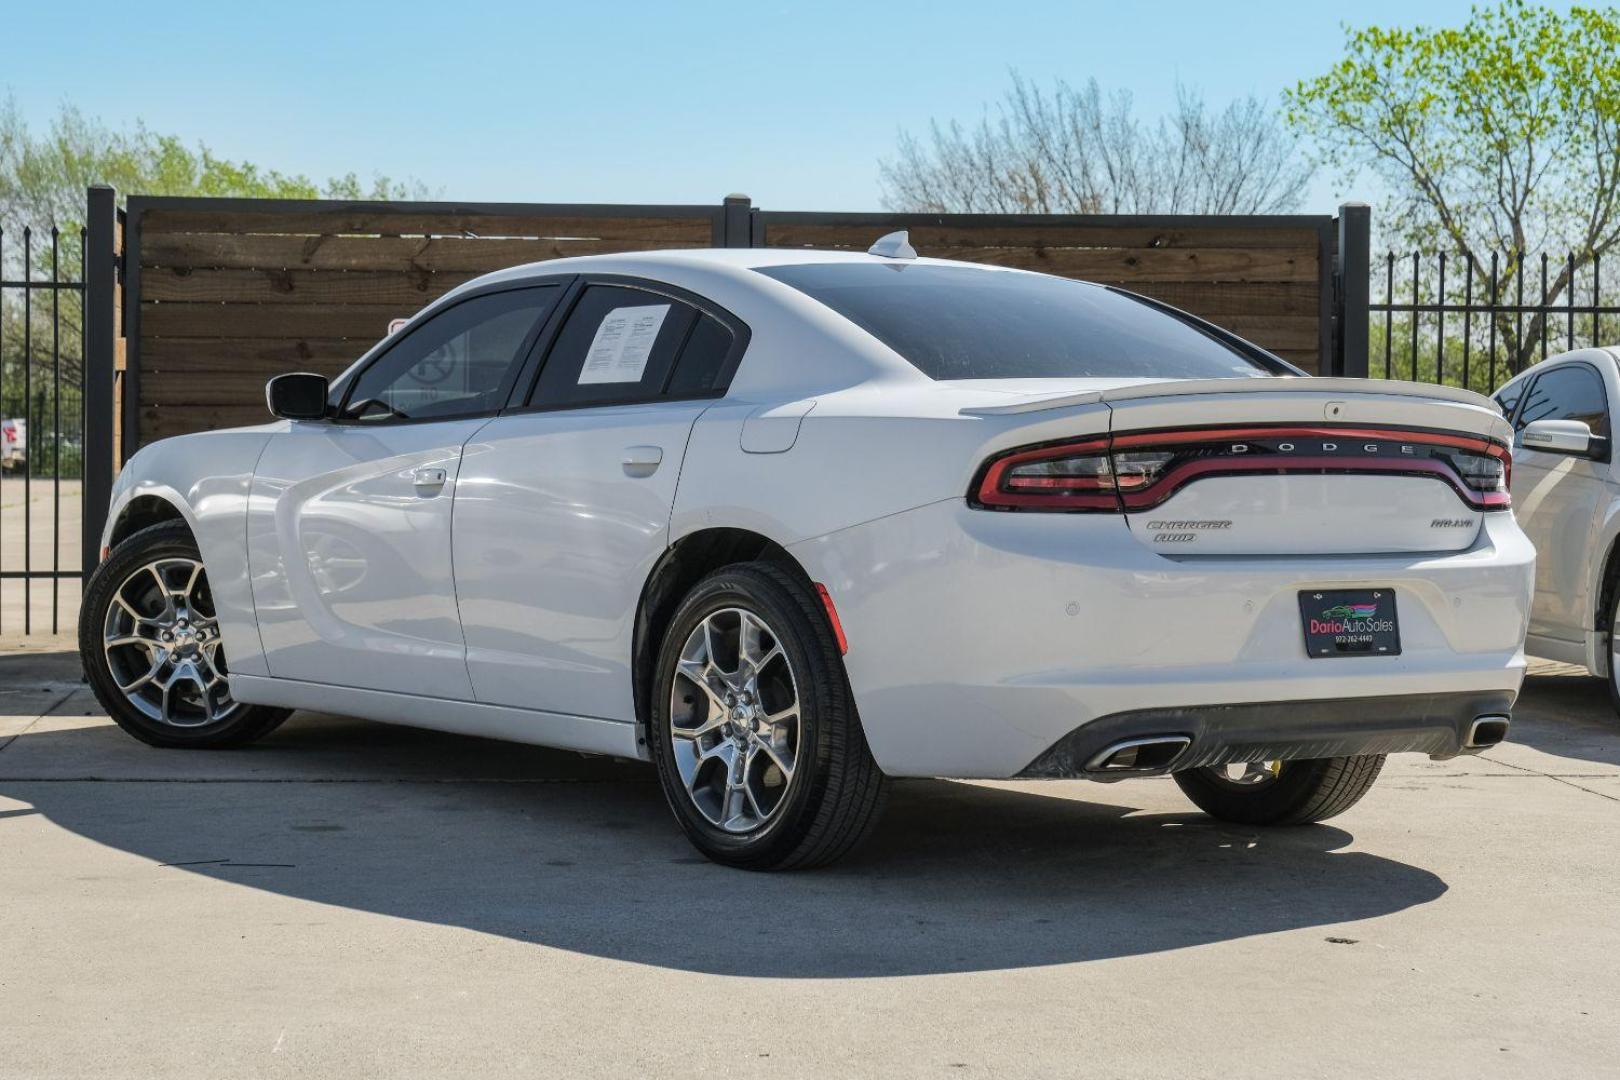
1140, 470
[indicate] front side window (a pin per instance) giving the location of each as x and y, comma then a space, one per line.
618, 345
958, 322
461, 362
1573, 392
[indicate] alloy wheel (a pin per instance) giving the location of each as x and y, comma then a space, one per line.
161, 640
735, 720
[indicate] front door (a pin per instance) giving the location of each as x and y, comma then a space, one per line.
563, 506
1556, 498
349, 520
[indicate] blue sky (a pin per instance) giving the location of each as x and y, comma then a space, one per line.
632, 102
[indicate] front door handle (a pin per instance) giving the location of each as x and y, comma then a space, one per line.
425, 479
642, 460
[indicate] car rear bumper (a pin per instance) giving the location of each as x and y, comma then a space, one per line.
979, 641
1113, 747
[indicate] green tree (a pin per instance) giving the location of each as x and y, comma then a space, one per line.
1501, 135
43, 176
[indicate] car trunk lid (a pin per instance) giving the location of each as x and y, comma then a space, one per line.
1290, 466
1312, 467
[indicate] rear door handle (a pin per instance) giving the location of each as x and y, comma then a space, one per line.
642, 460
429, 478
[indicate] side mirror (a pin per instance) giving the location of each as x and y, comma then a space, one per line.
298, 396
1558, 437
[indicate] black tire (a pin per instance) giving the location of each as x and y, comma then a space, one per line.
836, 790
1614, 677
171, 539
1301, 793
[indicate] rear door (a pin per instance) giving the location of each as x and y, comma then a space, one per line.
563, 504
349, 521
1556, 497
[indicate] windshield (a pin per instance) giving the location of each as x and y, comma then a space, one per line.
960, 322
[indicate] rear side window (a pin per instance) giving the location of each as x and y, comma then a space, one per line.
1573, 392
702, 358
965, 323
618, 345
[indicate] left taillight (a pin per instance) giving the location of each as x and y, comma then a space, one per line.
1066, 476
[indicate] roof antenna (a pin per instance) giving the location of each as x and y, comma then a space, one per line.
896, 245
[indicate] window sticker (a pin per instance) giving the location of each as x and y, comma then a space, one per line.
624, 340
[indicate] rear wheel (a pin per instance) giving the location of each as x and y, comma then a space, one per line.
1614, 648
1281, 792
150, 641
754, 731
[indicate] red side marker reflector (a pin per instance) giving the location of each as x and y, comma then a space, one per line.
106, 551
832, 617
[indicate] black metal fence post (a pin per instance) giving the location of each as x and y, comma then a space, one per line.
1353, 273
100, 352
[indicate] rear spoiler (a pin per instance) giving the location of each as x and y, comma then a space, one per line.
1285, 385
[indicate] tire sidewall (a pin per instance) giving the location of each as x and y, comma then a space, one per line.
1260, 804
738, 588
1613, 680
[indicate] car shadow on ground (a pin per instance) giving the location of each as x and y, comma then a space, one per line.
583, 855
1569, 716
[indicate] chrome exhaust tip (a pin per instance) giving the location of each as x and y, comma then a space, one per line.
1486, 731
1139, 755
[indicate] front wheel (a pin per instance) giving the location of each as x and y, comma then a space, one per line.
149, 638
1281, 792
753, 728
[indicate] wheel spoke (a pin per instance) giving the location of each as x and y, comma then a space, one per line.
697, 673
141, 680
191, 583
782, 761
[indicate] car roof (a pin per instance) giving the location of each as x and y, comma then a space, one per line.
672, 265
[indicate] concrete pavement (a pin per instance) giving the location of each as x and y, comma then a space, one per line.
348, 899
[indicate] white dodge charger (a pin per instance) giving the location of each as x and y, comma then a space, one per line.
790, 523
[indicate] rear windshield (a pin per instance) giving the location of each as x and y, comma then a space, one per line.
958, 322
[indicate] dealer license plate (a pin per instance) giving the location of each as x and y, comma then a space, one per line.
1350, 622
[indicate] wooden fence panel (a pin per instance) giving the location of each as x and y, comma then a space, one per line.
225, 293
1268, 280
228, 293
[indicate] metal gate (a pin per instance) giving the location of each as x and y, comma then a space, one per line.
41, 426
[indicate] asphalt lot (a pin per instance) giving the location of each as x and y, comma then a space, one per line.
350, 899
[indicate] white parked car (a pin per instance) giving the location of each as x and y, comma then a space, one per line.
13, 444
1567, 495
789, 523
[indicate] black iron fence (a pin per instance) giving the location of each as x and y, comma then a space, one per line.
1476, 321
42, 339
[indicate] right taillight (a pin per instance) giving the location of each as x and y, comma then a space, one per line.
1487, 473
